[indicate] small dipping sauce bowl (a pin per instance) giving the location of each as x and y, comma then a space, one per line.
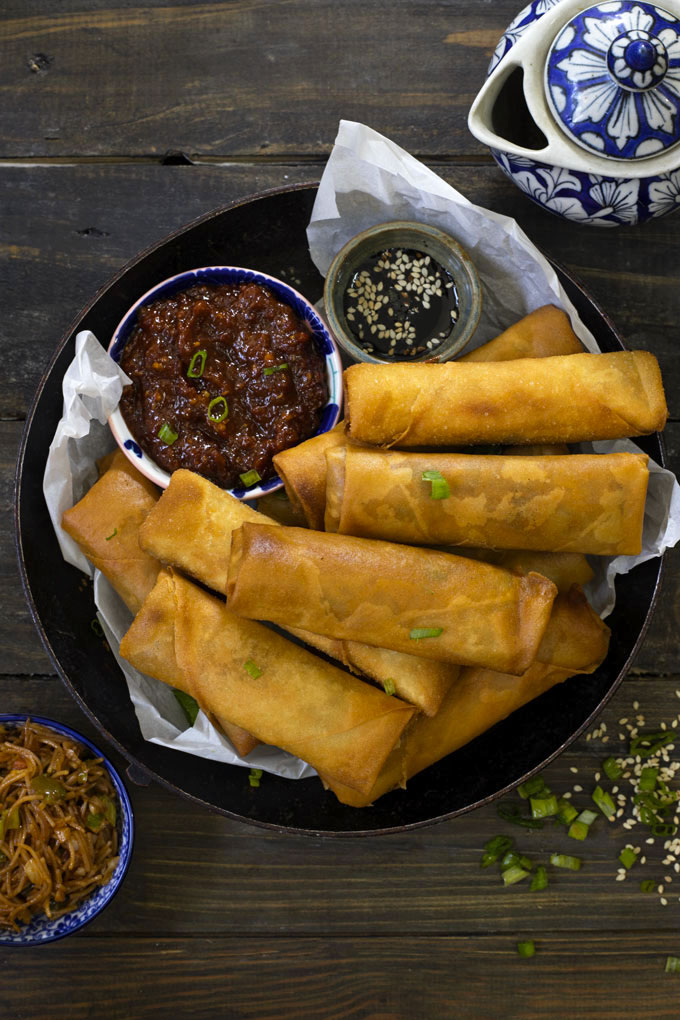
41, 928
219, 276
402, 291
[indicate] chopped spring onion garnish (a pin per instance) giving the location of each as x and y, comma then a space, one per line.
604, 802
540, 879
514, 874
439, 487
565, 861
217, 410
510, 812
94, 821
250, 477
167, 434
252, 668
495, 849
512, 858
672, 964
543, 807
188, 704
588, 817
566, 812
611, 768
254, 777
531, 787
112, 535
647, 744
422, 632
647, 780
389, 686
628, 857
97, 628
197, 365
648, 885
578, 830
526, 949
274, 368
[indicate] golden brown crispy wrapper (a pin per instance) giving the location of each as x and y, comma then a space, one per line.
542, 333
563, 569
563, 399
575, 638
105, 524
585, 503
351, 588
258, 679
191, 529
302, 469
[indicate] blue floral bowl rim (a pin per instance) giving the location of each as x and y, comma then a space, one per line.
180, 281
127, 825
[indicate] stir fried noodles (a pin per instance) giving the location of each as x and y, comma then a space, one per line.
58, 837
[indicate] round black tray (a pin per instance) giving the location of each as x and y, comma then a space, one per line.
268, 232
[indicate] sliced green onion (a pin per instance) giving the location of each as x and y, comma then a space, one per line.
252, 668
49, 788
510, 859
167, 434
94, 821
588, 817
250, 477
543, 807
647, 744
627, 857
188, 704
672, 964
274, 368
514, 874
526, 949
254, 777
540, 879
648, 885
388, 686
578, 830
197, 365
531, 787
566, 812
495, 848
604, 802
112, 535
11, 817
647, 780
109, 810
216, 415
439, 487
566, 861
510, 812
611, 768
424, 632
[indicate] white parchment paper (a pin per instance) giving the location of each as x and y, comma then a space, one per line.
368, 180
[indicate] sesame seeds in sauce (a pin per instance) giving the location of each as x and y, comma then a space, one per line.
401, 303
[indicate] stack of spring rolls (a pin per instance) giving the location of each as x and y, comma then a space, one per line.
435, 589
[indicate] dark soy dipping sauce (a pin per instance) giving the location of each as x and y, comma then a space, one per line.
400, 303
231, 372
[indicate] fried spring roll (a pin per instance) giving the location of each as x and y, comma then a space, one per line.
563, 399
191, 528
105, 524
543, 333
420, 601
273, 688
563, 569
303, 472
585, 503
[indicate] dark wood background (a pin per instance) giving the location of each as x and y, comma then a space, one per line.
119, 124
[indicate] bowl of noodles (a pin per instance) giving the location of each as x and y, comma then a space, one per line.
66, 831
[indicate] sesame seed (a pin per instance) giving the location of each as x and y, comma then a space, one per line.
663, 901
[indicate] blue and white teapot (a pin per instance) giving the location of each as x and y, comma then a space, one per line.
581, 108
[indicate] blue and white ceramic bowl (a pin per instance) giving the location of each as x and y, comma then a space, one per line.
42, 929
223, 275
581, 108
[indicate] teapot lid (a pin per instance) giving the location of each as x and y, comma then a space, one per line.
613, 79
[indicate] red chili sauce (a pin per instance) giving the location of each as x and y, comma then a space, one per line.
232, 348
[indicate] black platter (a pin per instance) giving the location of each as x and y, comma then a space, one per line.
267, 232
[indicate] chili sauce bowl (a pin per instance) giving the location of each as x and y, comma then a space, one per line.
41, 928
220, 275
402, 291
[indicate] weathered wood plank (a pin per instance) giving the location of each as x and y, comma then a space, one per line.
240, 78
605, 976
67, 230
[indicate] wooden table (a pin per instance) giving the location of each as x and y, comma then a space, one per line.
121, 123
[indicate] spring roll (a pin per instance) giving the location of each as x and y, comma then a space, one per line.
563, 569
105, 524
273, 688
563, 399
419, 601
303, 472
583, 503
191, 529
543, 333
